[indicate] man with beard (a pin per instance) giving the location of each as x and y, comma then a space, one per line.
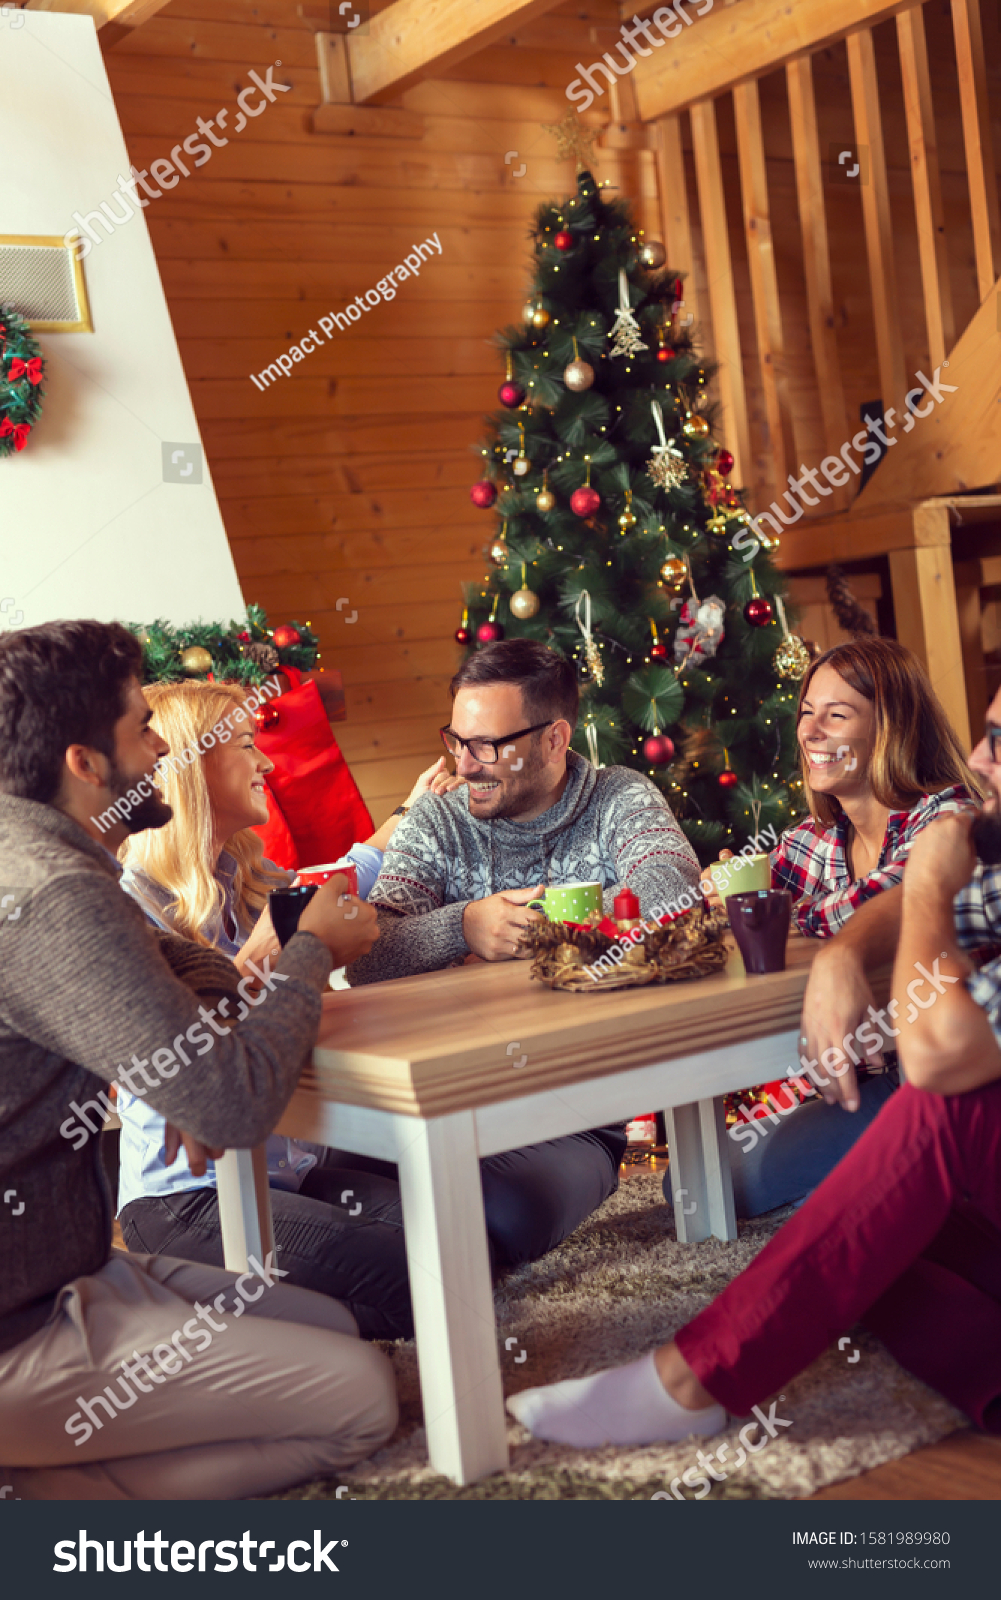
904, 1234
460, 871
86, 985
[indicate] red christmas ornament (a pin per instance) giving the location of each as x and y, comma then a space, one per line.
758, 612
267, 717
489, 632
462, 635
724, 462
284, 636
585, 501
727, 779
658, 750
564, 240
510, 394
483, 494
658, 652
665, 353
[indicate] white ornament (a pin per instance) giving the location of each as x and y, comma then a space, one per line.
625, 332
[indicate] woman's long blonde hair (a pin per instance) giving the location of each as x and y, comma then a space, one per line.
915, 751
179, 856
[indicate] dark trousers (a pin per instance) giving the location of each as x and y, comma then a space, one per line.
905, 1234
342, 1234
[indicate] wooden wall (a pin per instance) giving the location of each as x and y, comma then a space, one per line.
350, 478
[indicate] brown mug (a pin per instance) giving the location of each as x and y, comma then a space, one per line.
760, 923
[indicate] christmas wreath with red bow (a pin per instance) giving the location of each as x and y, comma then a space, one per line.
22, 374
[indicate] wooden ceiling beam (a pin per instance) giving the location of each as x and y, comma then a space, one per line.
733, 44
113, 19
414, 39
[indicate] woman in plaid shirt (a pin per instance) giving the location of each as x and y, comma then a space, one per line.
879, 762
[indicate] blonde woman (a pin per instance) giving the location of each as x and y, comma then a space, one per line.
203, 876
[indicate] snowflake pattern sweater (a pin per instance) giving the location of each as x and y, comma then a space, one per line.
611, 826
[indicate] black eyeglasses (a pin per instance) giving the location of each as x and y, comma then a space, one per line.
485, 751
993, 737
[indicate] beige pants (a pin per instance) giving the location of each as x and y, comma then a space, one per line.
228, 1404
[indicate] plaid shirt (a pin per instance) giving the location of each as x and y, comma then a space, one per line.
812, 862
977, 912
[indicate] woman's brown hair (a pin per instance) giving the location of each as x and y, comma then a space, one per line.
915, 751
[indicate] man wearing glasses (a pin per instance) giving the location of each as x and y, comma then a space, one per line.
462, 867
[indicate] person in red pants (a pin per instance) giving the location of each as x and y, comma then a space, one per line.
905, 1233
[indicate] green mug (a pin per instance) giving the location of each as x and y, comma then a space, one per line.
570, 902
741, 875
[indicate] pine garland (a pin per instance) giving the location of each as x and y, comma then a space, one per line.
241, 652
22, 376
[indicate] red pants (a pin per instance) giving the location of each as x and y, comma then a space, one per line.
904, 1235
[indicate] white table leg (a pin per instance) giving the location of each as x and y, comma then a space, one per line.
688, 1174
701, 1185
452, 1297
716, 1166
244, 1207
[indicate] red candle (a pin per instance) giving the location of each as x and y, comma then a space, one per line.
627, 907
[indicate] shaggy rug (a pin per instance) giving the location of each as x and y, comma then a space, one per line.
616, 1287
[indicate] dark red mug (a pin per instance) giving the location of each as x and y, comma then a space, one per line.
760, 923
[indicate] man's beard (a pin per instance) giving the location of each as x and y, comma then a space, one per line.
519, 792
152, 810
986, 837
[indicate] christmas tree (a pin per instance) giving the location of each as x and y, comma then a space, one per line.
621, 542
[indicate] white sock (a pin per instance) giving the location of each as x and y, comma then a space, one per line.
623, 1405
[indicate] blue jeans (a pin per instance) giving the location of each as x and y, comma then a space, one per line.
790, 1157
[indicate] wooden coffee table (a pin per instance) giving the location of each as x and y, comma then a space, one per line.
437, 1071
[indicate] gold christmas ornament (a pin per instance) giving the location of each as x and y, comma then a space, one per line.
499, 550
674, 570
524, 602
195, 660
695, 427
592, 655
652, 253
792, 658
528, 312
628, 518
520, 465
541, 319
545, 500
579, 375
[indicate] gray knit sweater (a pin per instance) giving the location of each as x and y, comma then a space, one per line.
611, 827
85, 983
